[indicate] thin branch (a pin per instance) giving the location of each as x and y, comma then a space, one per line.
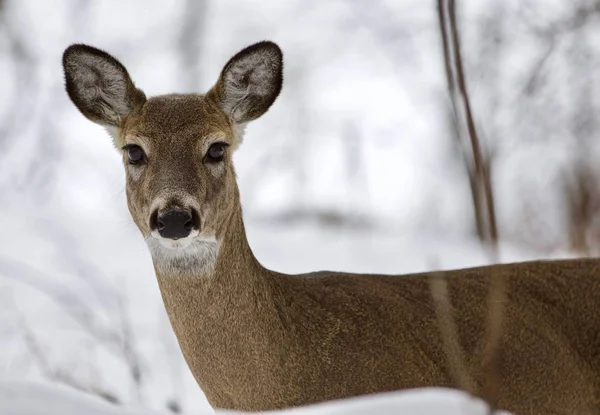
39, 356
117, 343
454, 118
130, 354
446, 48
492, 352
531, 85
478, 161
449, 333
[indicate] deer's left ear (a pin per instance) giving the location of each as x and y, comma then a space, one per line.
250, 82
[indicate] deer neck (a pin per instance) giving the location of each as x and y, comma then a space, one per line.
227, 280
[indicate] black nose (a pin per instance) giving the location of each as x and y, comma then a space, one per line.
174, 224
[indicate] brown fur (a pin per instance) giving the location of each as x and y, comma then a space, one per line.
256, 339
172, 125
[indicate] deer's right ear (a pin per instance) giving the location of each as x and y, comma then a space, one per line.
99, 85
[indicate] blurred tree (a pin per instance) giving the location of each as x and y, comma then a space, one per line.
22, 76
191, 43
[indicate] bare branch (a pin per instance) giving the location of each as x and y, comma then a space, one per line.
480, 171
479, 183
33, 346
492, 352
39, 356
118, 339
130, 353
449, 333
472, 130
446, 48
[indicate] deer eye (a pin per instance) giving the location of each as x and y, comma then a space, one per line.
216, 152
135, 154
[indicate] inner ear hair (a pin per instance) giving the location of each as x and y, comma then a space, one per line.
99, 85
250, 82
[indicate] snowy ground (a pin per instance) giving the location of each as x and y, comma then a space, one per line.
20, 398
37, 399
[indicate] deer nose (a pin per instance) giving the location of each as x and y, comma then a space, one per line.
174, 224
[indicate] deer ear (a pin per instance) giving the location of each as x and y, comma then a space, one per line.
250, 82
99, 85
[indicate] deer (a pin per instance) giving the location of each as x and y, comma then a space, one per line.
256, 339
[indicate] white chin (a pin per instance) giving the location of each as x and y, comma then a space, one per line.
192, 254
181, 243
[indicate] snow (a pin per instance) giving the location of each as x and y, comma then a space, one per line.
17, 398
51, 399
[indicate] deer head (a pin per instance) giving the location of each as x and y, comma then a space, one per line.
181, 187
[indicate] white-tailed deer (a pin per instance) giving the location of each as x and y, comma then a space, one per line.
256, 339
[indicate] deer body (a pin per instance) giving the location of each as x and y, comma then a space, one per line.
258, 340
272, 341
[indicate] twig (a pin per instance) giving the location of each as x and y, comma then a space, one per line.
33, 346
455, 121
36, 351
446, 48
449, 333
478, 162
491, 357
492, 352
130, 354
479, 173
120, 344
